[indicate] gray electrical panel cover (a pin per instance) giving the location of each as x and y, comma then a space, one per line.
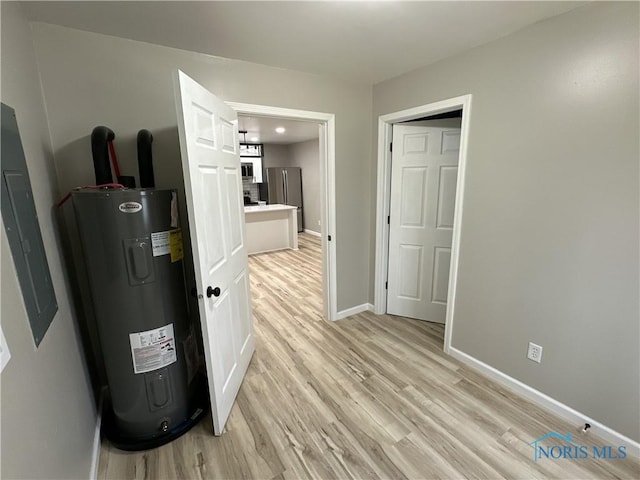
23, 231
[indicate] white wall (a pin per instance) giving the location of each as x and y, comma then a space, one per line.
48, 414
549, 242
90, 79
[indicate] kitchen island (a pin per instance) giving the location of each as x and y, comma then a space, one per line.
271, 227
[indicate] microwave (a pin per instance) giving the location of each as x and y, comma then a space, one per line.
247, 169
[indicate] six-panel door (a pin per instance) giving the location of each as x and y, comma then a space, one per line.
423, 190
213, 186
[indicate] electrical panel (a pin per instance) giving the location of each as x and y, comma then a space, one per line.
23, 231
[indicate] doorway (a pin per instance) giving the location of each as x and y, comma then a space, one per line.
326, 123
385, 136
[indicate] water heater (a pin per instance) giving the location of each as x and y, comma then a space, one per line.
132, 246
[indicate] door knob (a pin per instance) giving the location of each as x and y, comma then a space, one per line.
213, 291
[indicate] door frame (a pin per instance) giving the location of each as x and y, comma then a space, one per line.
385, 129
327, 139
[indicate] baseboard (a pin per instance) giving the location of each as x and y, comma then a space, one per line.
311, 232
353, 310
95, 458
608, 435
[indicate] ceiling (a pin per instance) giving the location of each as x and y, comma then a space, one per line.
363, 41
264, 130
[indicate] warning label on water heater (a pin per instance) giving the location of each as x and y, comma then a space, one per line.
168, 243
153, 349
160, 243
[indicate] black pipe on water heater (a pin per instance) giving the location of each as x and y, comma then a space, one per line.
100, 136
145, 159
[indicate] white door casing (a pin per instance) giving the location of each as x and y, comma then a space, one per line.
327, 134
208, 131
424, 171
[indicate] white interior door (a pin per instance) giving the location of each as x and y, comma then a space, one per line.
213, 186
424, 172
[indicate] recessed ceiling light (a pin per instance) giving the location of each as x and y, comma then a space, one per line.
280, 130
254, 139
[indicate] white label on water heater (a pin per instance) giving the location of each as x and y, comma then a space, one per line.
153, 349
169, 242
160, 244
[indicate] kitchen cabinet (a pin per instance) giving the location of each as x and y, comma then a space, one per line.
257, 168
252, 153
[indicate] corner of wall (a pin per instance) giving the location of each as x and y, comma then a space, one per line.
49, 384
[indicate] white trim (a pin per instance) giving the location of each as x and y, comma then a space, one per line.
353, 311
327, 134
95, 456
311, 232
383, 190
565, 412
385, 123
5, 354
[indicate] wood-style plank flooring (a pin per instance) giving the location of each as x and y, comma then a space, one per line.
366, 397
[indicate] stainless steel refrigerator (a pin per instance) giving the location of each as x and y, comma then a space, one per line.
283, 185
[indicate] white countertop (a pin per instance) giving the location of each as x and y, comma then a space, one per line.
267, 208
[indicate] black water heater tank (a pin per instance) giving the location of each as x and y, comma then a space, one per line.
132, 246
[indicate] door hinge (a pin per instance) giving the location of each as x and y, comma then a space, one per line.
388, 219
391, 146
386, 285
329, 237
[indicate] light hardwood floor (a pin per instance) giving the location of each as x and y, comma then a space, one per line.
366, 397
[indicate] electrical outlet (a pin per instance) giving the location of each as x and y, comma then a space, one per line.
535, 352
